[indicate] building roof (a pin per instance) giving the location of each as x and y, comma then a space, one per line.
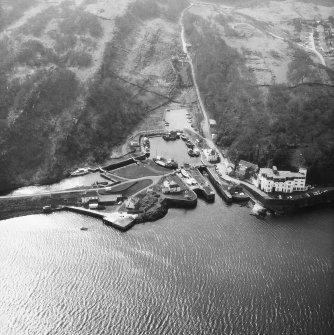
212, 122
109, 197
280, 174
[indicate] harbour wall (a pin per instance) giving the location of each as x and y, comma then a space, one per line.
288, 205
224, 193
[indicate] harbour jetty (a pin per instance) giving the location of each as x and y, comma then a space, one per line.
202, 187
219, 185
119, 220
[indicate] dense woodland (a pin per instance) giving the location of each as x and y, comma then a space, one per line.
288, 127
49, 121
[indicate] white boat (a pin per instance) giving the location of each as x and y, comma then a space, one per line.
196, 152
193, 181
184, 173
79, 172
170, 164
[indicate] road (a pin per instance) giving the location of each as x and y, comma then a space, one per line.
313, 48
223, 164
205, 123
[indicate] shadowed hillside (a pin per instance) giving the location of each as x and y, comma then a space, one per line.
76, 77
273, 101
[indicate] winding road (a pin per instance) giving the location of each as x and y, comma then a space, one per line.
222, 166
205, 122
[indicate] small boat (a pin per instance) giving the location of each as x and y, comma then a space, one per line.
240, 197
191, 153
47, 209
190, 145
84, 228
196, 152
184, 173
169, 164
171, 136
184, 137
79, 172
102, 183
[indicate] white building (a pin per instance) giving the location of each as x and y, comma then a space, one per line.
132, 203
171, 187
90, 197
272, 180
211, 155
212, 123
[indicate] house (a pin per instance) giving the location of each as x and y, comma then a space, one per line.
212, 123
90, 196
109, 199
230, 169
246, 168
170, 186
211, 155
272, 180
132, 203
174, 187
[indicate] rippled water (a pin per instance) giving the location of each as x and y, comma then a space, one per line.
211, 270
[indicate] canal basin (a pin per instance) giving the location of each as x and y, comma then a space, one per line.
176, 150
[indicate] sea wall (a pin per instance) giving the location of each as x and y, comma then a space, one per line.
289, 205
124, 162
25, 205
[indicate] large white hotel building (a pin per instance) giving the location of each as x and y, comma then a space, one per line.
272, 180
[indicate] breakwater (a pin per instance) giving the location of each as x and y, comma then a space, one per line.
119, 220
124, 162
13, 206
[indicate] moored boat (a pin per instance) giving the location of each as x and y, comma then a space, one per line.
47, 209
189, 144
196, 152
79, 172
169, 164
184, 173
191, 153
239, 197
171, 136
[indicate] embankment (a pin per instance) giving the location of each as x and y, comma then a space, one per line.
292, 205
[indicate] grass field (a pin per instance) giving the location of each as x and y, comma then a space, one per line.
142, 169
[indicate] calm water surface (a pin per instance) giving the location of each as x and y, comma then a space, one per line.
176, 150
211, 270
